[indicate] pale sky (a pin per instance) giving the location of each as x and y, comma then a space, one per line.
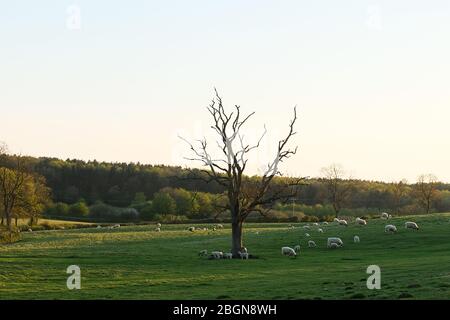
371, 79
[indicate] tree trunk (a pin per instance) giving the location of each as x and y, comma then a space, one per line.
16, 221
236, 237
8, 222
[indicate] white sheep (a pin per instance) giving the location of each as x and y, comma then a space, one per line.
219, 226
356, 239
244, 250
306, 227
217, 254
385, 215
307, 235
288, 251
311, 244
228, 255
203, 253
336, 220
315, 224
333, 245
320, 230
361, 222
297, 248
337, 241
390, 228
325, 223
158, 229
158, 225
99, 227
243, 255
411, 225
191, 229
30, 230
343, 223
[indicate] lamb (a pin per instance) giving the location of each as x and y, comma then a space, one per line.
228, 255
287, 251
337, 241
191, 229
356, 239
203, 253
158, 229
411, 225
311, 244
217, 254
320, 230
30, 230
158, 225
343, 223
361, 222
297, 248
390, 228
307, 235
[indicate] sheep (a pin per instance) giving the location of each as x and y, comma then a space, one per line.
411, 225
30, 230
336, 220
325, 223
243, 255
390, 228
306, 227
203, 253
356, 239
158, 229
315, 224
343, 223
244, 250
228, 255
191, 229
361, 222
219, 226
116, 226
311, 244
385, 215
99, 227
288, 251
216, 254
320, 230
297, 248
307, 235
337, 241
333, 245
158, 225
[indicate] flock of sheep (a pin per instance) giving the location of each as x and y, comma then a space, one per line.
332, 242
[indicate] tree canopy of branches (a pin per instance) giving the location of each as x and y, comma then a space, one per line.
338, 188
425, 189
244, 195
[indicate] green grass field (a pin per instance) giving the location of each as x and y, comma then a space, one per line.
139, 263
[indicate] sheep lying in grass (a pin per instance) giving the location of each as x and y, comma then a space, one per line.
288, 251
336, 220
334, 241
307, 235
411, 225
30, 230
158, 229
390, 228
99, 227
361, 222
315, 224
191, 229
116, 226
203, 253
320, 230
356, 239
306, 227
311, 244
325, 223
297, 248
343, 223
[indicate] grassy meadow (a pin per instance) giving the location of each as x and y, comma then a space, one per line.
136, 262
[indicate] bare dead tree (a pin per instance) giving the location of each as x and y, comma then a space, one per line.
244, 195
338, 187
425, 190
